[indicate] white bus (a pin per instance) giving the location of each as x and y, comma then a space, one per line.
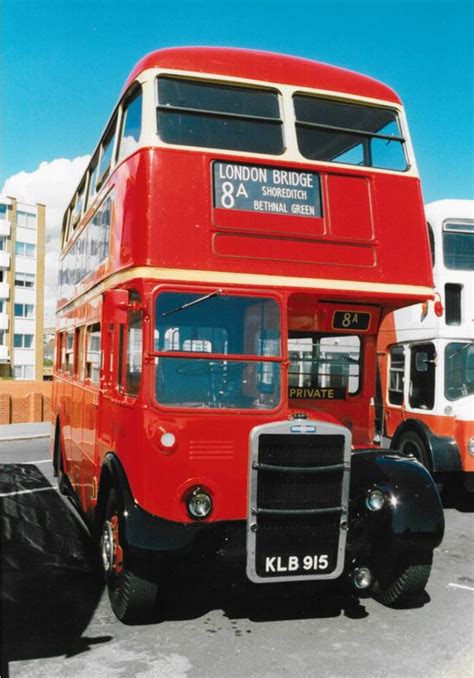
426, 356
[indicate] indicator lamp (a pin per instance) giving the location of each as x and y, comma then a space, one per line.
470, 446
438, 306
362, 578
168, 440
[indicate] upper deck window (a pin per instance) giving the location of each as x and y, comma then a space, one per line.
78, 203
106, 154
354, 134
458, 246
198, 113
131, 123
91, 191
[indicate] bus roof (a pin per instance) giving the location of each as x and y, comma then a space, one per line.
449, 209
264, 66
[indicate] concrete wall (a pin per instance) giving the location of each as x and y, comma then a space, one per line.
24, 401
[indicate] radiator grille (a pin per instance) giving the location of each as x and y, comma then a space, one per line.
298, 500
301, 450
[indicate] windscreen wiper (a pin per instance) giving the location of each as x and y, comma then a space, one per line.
216, 293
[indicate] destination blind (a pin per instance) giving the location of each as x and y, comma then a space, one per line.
270, 190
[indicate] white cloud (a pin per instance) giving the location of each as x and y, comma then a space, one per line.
52, 184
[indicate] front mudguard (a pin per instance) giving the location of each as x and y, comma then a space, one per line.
411, 523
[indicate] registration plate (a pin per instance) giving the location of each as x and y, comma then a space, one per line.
296, 564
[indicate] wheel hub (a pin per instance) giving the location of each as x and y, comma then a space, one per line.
111, 551
107, 548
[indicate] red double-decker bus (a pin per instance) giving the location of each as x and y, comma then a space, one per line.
244, 224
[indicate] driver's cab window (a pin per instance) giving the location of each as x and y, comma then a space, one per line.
422, 376
331, 361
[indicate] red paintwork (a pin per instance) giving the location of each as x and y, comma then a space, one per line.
264, 66
163, 217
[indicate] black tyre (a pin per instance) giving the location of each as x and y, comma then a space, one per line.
412, 443
409, 583
132, 595
64, 485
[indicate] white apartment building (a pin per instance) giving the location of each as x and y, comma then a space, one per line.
22, 239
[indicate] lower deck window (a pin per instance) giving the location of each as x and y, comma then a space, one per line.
325, 362
459, 370
396, 375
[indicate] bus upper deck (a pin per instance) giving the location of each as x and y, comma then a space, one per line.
252, 168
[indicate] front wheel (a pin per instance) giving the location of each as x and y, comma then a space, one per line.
411, 443
132, 595
409, 583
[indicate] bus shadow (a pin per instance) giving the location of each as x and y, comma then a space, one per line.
230, 591
459, 499
49, 587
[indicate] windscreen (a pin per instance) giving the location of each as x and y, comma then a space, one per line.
247, 329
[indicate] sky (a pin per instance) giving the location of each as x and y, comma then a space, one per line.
64, 63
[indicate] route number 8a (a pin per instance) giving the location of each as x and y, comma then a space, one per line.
227, 198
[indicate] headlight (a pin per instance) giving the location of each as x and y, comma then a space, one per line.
199, 504
470, 446
375, 500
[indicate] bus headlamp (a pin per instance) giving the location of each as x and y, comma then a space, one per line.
375, 500
199, 504
470, 446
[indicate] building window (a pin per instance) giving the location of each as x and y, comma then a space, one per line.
24, 279
24, 372
25, 219
3, 243
2, 338
3, 210
23, 340
24, 311
25, 249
